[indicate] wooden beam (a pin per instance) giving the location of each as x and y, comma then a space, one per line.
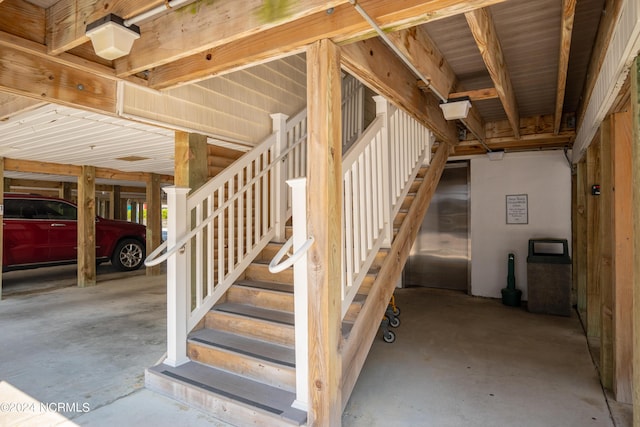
476, 95
484, 32
536, 133
33, 166
23, 19
324, 201
594, 315
568, 13
605, 260
67, 20
377, 67
635, 179
87, 227
47, 80
169, 67
362, 334
421, 51
622, 258
154, 220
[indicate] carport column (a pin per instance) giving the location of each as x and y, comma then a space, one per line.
154, 219
87, 227
634, 76
324, 224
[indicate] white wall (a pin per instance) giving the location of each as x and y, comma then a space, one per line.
546, 178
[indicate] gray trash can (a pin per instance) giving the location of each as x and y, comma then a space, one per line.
549, 277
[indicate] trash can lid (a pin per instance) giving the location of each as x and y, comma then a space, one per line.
548, 251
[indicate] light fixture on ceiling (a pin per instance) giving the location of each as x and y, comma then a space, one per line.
111, 38
456, 108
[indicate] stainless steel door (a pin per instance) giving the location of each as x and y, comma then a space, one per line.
440, 255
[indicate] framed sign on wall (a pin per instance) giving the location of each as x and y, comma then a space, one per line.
517, 209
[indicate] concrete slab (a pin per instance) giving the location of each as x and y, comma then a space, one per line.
457, 361
464, 361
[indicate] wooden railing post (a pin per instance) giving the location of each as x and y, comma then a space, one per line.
177, 278
280, 176
300, 292
382, 108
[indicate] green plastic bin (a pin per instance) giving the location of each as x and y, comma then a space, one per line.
549, 277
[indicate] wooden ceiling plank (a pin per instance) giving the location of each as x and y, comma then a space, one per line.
476, 95
378, 67
568, 13
484, 32
343, 26
67, 20
49, 81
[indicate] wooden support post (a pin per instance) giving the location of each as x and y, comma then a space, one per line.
7, 183
606, 255
622, 258
115, 205
324, 172
65, 191
191, 163
580, 255
154, 219
593, 242
87, 227
635, 177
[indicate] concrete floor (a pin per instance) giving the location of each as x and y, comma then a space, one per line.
457, 361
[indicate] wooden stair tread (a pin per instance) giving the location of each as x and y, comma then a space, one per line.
250, 393
276, 316
274, 353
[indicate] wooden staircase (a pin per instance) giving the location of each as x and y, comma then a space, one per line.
242, 361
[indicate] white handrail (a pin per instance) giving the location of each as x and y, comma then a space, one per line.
274, 267
151, 261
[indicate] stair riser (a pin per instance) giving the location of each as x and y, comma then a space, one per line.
260, 272
250, 327
224, 408
263, 298
260, 370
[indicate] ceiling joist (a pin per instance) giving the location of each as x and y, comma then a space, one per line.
568, 13
484, 32
344, 25
378, 67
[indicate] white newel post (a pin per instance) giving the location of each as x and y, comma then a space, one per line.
382, 108
280, 176
300, 292
177, 309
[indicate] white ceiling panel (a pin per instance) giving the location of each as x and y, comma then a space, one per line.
65, 135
